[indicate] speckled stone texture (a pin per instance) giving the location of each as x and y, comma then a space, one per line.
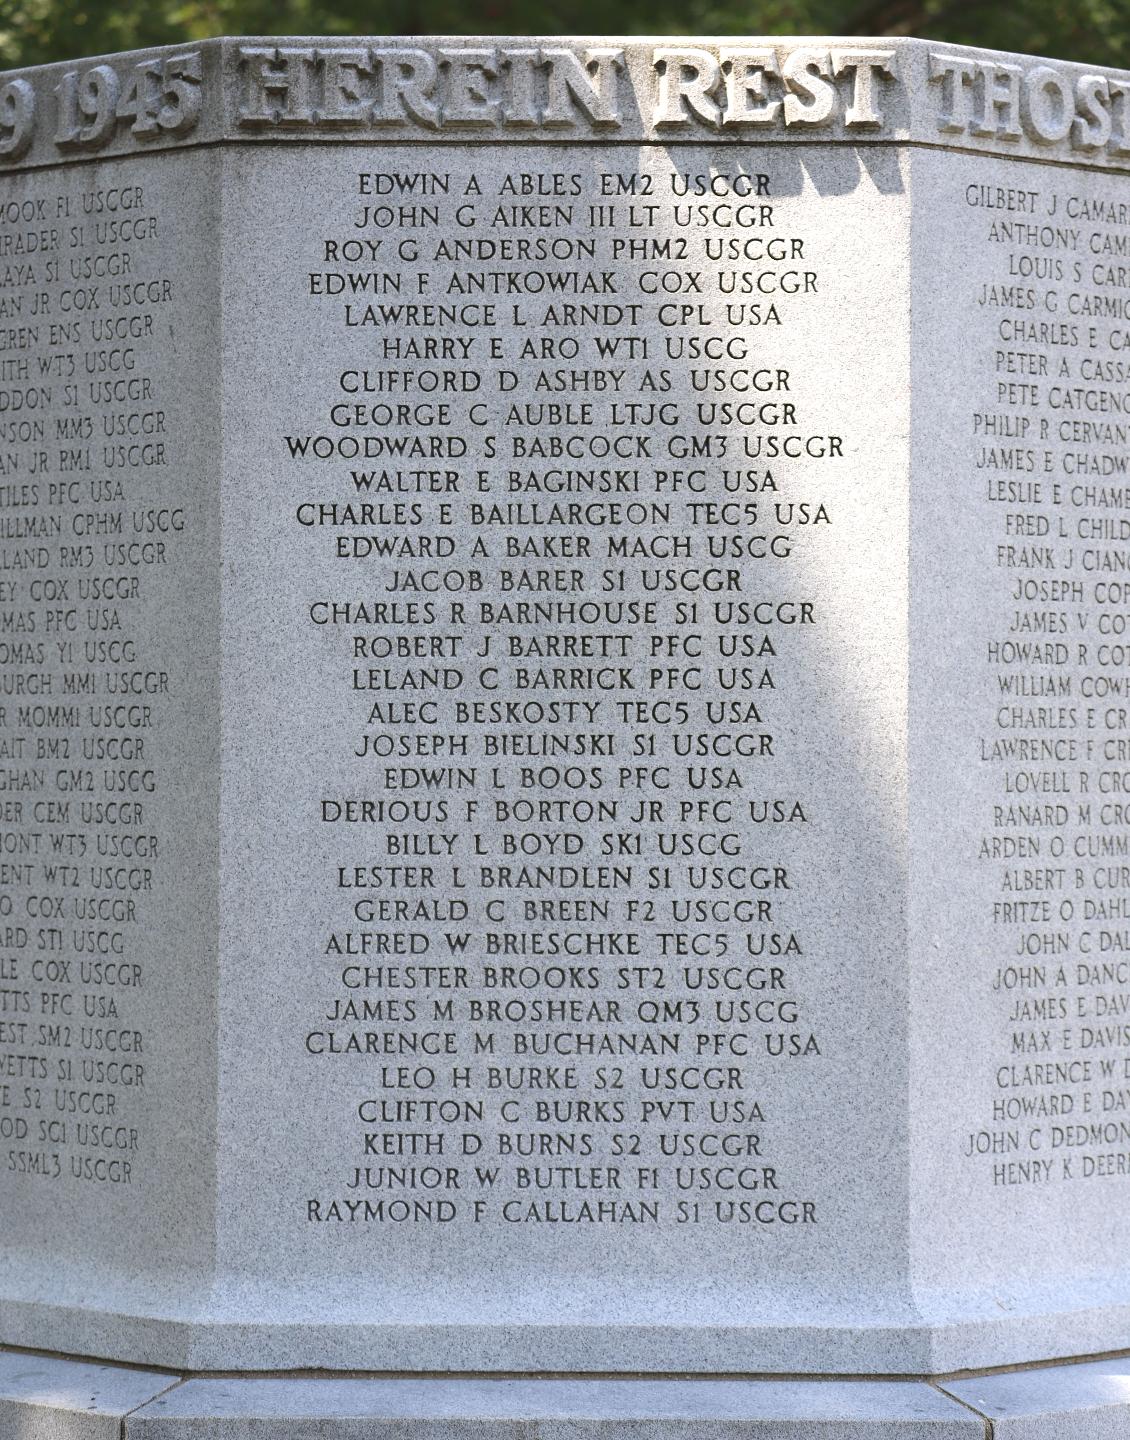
565, 810
51, 1399
560, 1410
157, 1408
1085, 1402
42, 1398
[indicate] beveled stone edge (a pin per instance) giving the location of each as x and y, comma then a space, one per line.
529, 89
201, 1343
506, 1404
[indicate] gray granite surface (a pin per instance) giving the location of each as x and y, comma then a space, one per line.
563, 722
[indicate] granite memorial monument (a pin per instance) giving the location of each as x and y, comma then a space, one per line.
564, 741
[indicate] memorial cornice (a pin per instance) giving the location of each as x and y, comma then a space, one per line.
527, 90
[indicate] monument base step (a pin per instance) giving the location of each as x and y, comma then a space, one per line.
45, 1397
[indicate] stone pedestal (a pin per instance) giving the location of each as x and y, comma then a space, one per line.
564, 724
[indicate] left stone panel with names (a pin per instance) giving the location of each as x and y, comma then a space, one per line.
108, 737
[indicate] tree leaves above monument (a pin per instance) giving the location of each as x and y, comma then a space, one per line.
37, 31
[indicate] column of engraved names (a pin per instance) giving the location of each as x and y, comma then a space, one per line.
84, 447
564, 481
1050, 437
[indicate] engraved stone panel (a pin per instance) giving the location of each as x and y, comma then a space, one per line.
563, 709
1018, 737
109, 738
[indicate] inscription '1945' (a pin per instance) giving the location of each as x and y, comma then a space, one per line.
152, 98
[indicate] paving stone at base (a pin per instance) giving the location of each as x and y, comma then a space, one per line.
1054, 1402
44, 1398
314, 1409
48, 1398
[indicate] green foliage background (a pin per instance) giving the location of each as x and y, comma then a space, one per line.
35, 31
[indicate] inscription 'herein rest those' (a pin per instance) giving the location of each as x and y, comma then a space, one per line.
776, 91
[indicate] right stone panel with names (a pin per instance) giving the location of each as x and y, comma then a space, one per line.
1020, 726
